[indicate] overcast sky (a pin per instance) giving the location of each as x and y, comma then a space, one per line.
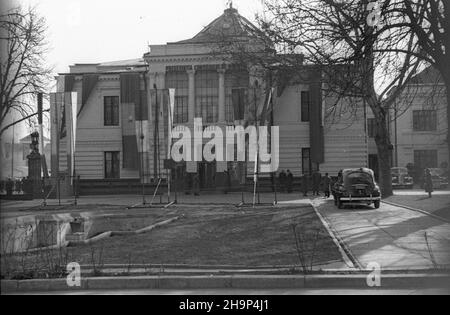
90, 31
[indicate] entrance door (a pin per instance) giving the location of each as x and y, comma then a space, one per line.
207, 174
373, 164
112, 165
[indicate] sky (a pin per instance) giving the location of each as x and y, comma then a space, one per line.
91, 31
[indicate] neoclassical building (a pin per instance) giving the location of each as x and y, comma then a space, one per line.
120, 101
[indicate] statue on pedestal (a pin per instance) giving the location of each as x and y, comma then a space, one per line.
34, 167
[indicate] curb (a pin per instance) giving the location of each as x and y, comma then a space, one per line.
228, 282
346, 254
417, 210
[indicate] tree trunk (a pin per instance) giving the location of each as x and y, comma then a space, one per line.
447, 84
383, 142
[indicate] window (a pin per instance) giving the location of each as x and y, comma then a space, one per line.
177, 78
207, 94
112, 165
425, 159
111, 110
238, 97
424, 120
236, 86
371, 127
305, 103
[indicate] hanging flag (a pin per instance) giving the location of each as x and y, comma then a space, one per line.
40, 123
133, 110
142, 133
255, 172
56, 101
70, 102
265, 109
87, 86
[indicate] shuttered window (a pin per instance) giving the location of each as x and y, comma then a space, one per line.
305, 103
111, 110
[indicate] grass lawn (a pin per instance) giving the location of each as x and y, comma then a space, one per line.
217, 235
222, 236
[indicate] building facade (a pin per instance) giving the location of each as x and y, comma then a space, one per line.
122, 129
419, 123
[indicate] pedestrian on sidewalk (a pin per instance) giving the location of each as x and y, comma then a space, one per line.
316, 178
196, 185
282, 180
326, 185
9, 187
305, 185
289, 181
428, 182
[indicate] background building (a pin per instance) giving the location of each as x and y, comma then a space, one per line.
118, 101
419, 123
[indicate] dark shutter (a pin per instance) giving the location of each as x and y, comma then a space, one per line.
316, 127
130, 99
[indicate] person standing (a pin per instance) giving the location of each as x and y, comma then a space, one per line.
326, 185
9, 187
282, 181
196, 185
428, 182
289, 181
305, 185
317, 178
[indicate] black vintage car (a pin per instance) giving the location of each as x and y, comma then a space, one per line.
356, 186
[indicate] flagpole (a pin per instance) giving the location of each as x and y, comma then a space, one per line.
255, 188
169, 140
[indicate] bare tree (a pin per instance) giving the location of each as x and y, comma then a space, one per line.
23, 70
429, 21
360, 54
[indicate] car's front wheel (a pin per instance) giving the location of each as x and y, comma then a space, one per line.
377, 204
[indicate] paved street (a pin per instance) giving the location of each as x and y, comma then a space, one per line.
230, 292
391, 236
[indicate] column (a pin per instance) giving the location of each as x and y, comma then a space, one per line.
222, 110
191, 99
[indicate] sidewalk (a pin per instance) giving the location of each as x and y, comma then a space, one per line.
393, 237
438, 205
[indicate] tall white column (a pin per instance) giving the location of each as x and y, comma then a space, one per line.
222, 111
191, 98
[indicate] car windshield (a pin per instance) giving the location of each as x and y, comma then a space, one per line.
355, 178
